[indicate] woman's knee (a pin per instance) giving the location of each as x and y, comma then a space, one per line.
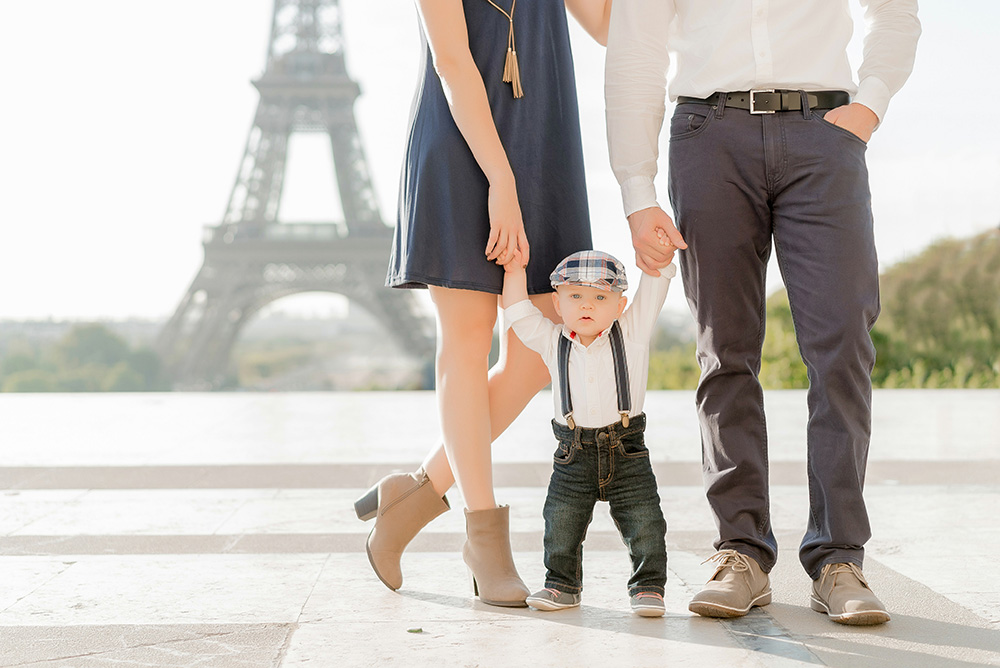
518, 359
465, 322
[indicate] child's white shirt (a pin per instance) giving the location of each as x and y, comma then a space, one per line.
591, 368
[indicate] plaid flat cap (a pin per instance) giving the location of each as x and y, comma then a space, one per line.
594, 268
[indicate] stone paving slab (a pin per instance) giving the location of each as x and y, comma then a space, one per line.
181, 645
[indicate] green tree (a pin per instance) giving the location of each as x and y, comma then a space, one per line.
91, 344
90, 358
122, 378
86, 378
940, 321
145, 363
674, 369
30, 380
18, 361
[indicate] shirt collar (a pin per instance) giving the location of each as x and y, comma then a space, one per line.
571, 335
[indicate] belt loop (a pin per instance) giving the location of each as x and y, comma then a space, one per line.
806, 111
720, 104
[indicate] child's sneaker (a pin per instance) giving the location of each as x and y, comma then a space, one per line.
645, 604
552, 599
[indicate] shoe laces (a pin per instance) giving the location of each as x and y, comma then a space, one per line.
648, 594
739, 562
833, 570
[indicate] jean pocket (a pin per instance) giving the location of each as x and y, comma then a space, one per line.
633, 448
818, 117
690, 120
564, 453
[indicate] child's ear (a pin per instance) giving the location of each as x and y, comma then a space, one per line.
622, 301
555, 303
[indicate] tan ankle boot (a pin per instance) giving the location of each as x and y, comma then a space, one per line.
487, 552
402, 504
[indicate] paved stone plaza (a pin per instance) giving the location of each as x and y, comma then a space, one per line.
218, 530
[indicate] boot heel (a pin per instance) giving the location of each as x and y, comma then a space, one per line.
367, 506
475, 586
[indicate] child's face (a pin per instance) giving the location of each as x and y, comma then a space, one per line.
586, 310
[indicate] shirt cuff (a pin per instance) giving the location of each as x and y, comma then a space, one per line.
518, 311
638, 193
874, 94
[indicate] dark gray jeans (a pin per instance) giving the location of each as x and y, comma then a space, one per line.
738, 182
606, 464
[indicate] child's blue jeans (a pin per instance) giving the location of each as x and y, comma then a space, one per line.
606, 464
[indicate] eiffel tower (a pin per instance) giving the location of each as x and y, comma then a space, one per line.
252, 259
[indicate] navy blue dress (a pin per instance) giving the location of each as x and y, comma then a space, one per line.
443, 221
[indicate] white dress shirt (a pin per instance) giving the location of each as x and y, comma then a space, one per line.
737, 45
592, 368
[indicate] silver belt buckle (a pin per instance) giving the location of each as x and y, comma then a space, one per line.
753, 101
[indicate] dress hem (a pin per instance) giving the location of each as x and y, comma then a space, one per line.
422, 283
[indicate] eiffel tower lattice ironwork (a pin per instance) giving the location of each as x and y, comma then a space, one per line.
252, 259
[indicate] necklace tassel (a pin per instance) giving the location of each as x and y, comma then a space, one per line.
511, 70
515, 74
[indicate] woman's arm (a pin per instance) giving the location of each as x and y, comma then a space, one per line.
593, 15
448, 37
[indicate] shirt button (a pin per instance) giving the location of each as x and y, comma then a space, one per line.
590, 380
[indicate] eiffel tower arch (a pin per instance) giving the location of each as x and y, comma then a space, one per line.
253, 259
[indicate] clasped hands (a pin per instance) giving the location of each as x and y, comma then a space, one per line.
655, 239
506, 224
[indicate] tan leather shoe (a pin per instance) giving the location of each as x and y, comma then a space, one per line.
843, 593
737, 585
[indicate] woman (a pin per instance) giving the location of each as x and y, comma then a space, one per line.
493, 161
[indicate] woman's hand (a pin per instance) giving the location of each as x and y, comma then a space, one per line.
507, 238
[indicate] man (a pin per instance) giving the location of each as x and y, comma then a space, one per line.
767, 143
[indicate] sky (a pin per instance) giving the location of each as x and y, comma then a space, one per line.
123, 124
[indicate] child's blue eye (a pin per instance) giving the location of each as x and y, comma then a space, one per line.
575, 295
600, 298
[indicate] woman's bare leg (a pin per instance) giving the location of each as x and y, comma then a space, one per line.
465, 321
517, 376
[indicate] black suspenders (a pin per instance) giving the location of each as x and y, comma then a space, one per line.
621, 375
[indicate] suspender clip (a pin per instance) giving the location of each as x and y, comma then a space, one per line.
570, 422
624, 415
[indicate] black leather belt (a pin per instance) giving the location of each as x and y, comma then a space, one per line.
770, 101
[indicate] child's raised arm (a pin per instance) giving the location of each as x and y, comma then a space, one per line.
515, 282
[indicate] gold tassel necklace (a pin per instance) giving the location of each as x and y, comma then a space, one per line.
511, 72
